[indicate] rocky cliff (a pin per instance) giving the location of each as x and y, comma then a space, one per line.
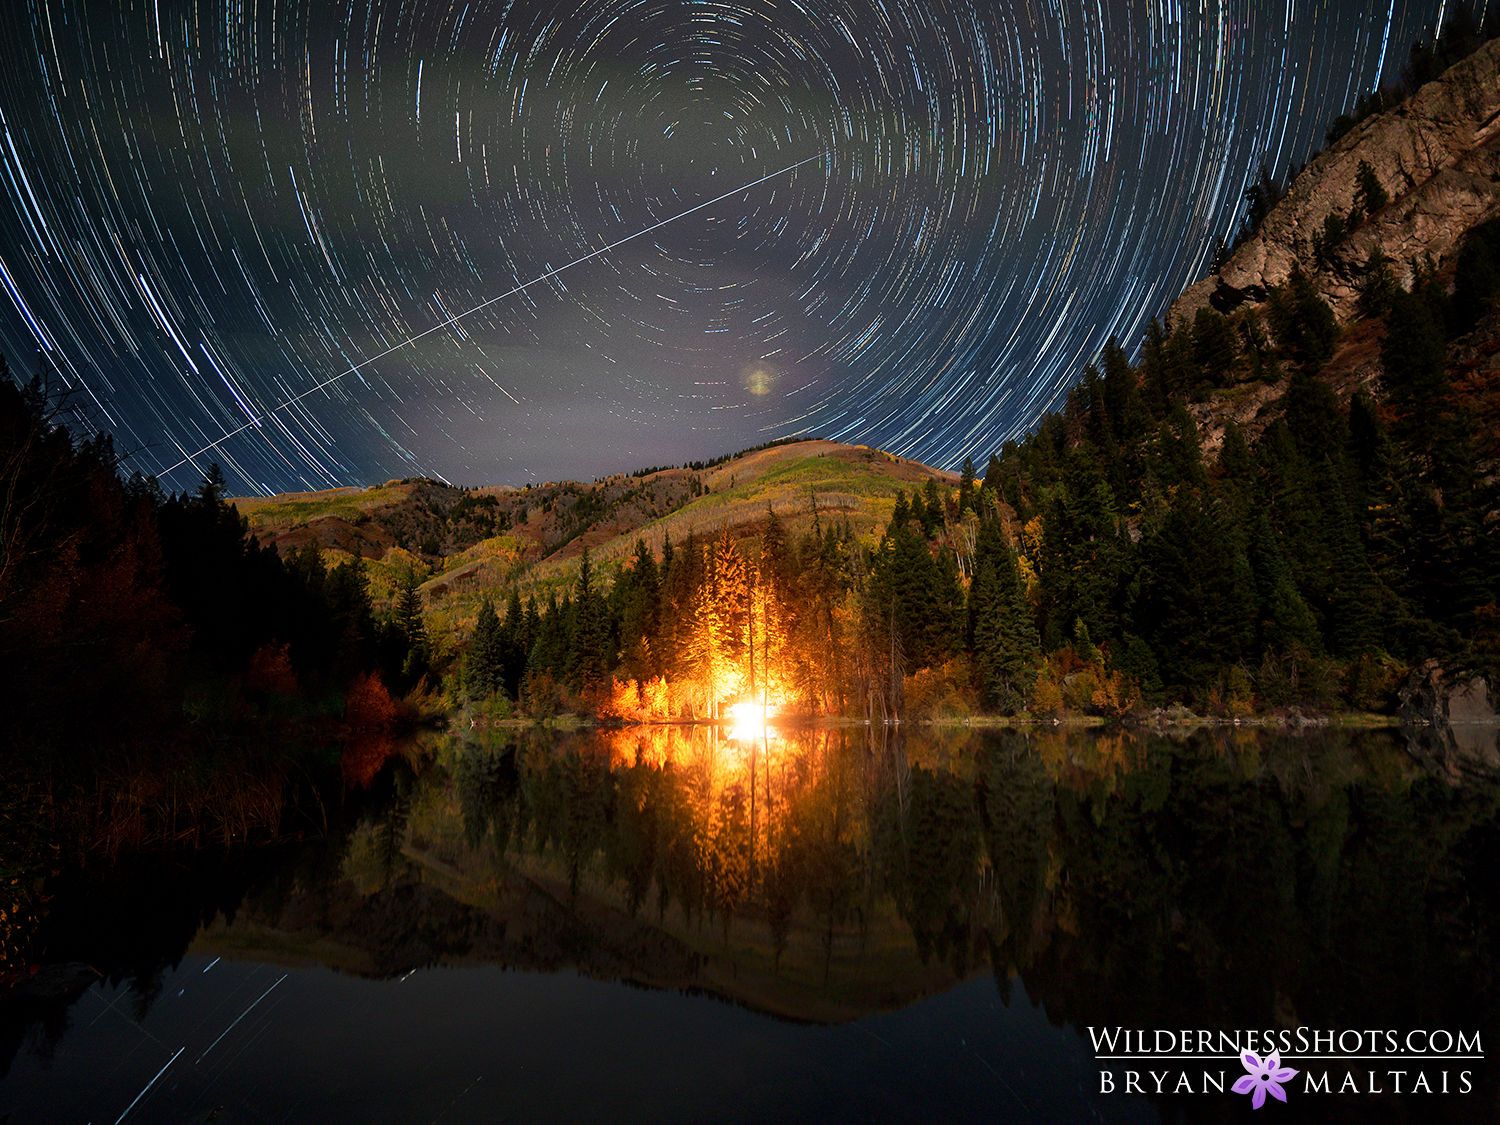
1438, 157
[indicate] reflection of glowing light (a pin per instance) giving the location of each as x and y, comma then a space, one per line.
749, 721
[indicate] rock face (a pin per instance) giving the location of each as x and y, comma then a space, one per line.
1437, 156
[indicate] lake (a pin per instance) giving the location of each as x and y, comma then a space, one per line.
699, 924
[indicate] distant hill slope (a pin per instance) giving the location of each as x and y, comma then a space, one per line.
478, 539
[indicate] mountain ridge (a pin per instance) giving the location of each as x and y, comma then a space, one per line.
1438, 156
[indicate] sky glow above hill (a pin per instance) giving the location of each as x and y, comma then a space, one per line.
212, 209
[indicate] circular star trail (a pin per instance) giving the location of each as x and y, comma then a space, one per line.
218, 213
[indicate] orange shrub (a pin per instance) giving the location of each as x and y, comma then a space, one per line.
368, 704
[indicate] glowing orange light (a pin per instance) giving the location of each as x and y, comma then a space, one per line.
750, 720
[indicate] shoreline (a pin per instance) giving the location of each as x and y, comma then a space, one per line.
1160, 719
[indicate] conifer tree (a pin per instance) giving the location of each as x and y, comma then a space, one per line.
635, 603
900, 514
485, 668
1476, 277
1080, 566
350, 616
1198, 607
516, 633
1235, 465
732, 592
1378, 285
1214, 347
1283, 619
1177, 458
1120, 392
549, 651
908, 602
1369, 195
1302, 321
1357, 604
1314, 417
993, 477
409, 618
966, 487
930, 510
1415, 377
588, 636
1003, 634
1156, 390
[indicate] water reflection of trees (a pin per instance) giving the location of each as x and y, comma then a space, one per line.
1225, 879
1228, 879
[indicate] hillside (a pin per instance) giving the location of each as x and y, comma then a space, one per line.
474, 540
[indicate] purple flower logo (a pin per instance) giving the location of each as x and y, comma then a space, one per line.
1263, 1076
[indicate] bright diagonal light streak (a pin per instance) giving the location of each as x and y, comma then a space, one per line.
508, 293
241, 1016
148, 1086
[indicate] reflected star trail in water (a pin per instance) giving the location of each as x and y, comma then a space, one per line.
213, 208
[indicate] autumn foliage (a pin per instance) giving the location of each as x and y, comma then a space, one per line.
368, 705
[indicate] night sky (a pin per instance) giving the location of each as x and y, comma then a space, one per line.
215, 214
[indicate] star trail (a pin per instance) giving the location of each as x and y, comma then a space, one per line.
324, 243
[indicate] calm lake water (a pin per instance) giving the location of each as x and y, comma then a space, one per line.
679, 924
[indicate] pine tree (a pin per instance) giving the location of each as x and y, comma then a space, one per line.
1198, 609
1122, 393
516, 633
966, 487
350, 616
635, 603
993, 476
1378, 286
1302, 321
1235, 465
1415, 381
1080, 565
1369, 195
587, 658
484, 671
1314, 417
1003, 635
1177, 458
900, 514
1156, 389
1357, 605
908, 603
930, 510
409, 620
1283, 619
1214, 347
1476, 277
732, 591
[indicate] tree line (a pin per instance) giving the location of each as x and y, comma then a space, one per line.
124, 609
